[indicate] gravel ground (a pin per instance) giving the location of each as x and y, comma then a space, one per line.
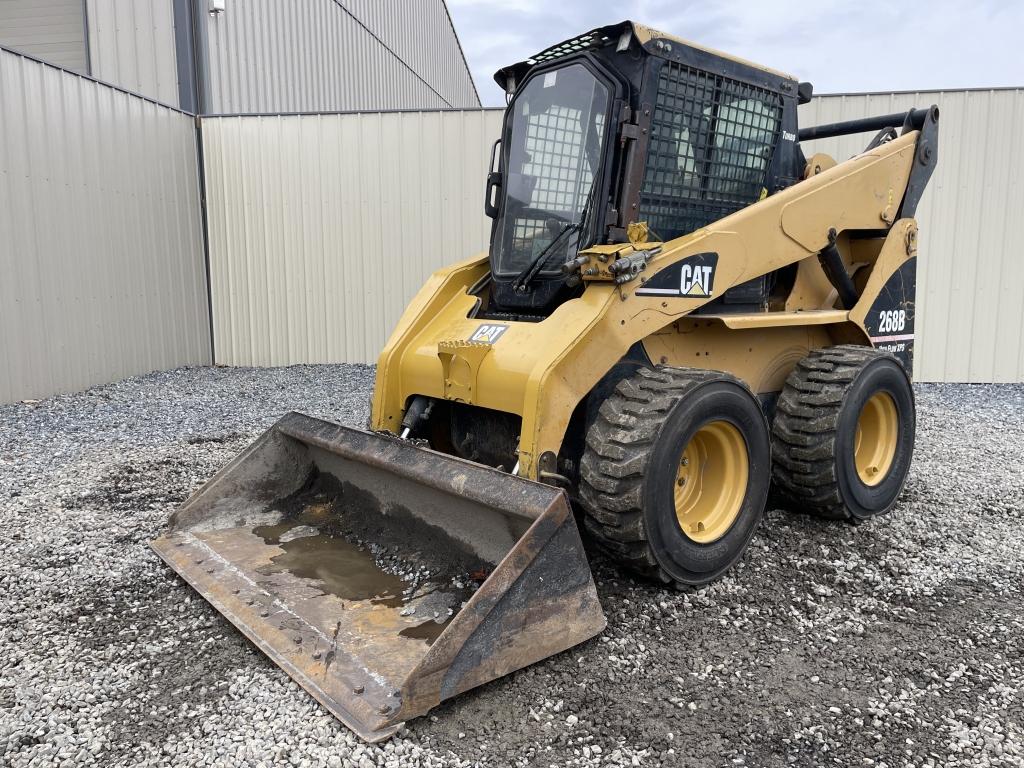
896, 643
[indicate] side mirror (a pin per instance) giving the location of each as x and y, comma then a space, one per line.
492, 193
804, 91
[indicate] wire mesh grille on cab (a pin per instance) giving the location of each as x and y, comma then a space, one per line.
712, 140
583, 42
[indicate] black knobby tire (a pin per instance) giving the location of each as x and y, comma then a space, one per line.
814, 433
632, 456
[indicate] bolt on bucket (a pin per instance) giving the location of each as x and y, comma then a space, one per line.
383, 577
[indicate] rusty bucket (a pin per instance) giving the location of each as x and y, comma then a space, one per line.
383, 577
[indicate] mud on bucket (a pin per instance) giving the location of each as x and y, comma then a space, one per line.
381, 576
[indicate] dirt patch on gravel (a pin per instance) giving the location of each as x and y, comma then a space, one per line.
174, 666
791, 680
136, 486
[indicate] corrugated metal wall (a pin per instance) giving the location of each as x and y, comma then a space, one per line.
340, 55
131, 44
322, 227
427, 42
101, 255
53, 30
263, 55
971, 277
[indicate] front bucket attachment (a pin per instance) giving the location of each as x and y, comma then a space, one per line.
381, 576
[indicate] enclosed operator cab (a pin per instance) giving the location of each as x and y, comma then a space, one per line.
624, 125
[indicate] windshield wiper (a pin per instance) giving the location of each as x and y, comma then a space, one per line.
539, 261
524, 278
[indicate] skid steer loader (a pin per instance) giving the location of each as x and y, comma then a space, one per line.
678, 309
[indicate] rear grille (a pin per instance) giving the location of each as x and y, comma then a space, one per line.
711, 142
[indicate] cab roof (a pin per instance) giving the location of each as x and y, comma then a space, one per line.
653, 41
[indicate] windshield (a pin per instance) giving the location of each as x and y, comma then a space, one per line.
553, 157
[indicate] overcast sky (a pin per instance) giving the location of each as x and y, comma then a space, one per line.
838, 46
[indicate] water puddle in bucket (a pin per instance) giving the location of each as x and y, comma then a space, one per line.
339, 567
314, 550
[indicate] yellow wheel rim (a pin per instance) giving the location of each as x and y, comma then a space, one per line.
712, 482
874, 447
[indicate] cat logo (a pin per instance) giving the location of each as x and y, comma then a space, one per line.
488, 333
690, 278
695, 280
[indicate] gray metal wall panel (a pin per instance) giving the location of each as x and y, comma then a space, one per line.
323, 227
52, 30
281, 56
131, 44
971, 277
102, 257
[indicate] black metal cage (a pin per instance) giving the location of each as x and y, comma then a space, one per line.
711, 143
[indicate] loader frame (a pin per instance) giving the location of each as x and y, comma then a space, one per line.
542, 371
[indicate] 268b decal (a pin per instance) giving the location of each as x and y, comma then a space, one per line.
890, 321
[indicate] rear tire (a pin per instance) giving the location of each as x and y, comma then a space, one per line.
675, 473
843, 433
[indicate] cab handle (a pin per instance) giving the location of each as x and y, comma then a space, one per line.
492, 192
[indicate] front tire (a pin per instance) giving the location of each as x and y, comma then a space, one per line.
675, 473
843, 433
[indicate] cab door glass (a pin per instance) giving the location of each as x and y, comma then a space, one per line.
555, 145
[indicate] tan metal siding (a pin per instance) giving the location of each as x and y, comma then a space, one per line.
323, 227
52, 30
970, 289
282, 56
102, 258
131, 44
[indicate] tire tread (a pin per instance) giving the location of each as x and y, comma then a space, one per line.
618, 448
805, 429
